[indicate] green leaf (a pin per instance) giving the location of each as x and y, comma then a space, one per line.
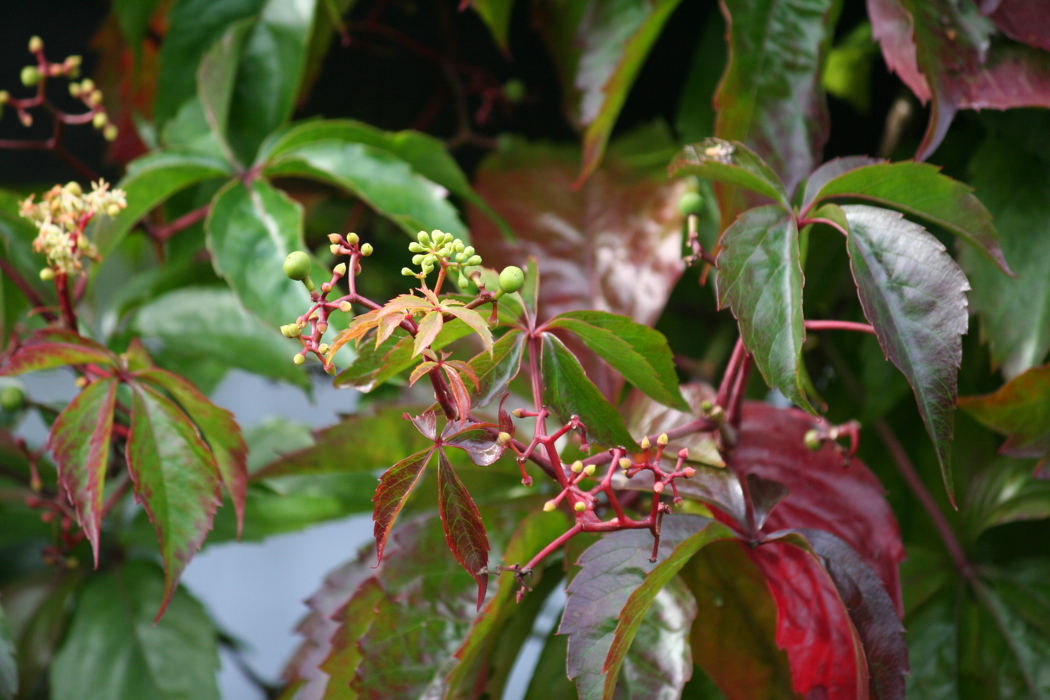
1003, 492
80, 443
464, 531
734, 635
115, 650
914, 294
920, 190
760, 279
395, 486
176, 480
8, 666
496, 370
847, 72
614, 38
208, 322
216, 82
568, 392
1014, 312
634, 610
771, 97
638, 352
610, 571
732, 163
1020, 409
150, 180
217, 427
385, 182
51, 348
496, 15
250, 233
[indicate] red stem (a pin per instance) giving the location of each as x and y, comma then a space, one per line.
839, 326
163, 233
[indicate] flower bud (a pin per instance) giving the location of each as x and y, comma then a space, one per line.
549, 506
322, 327
689, 472
408, 272
658, 487
415, 248
812, 440
662, 440
576, 467
334, 248
95, 98
417, 259
340, 269
35, 44
473, 260
326, 287
579, 506
423, 238
352, 238
589, 470
81, 382
30, 76
625, 463
73, 188
99, 120
335, 238
299, 359
517, 413
110, 132
290, 330
346, 307
87, 86
645, 443
74, 89
366, 249
684, 453
47, 274
504, 437
323, 348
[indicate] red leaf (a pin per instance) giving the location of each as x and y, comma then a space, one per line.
47, 349
464, 531
80, 443
394, 488
217, 427
1024, 20
1020, 409
426, 423
827, 495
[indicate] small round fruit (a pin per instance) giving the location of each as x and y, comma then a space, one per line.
297, 265
12, 398
511, 279
691, 203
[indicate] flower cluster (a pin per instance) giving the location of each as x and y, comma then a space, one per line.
61, 218
439, 248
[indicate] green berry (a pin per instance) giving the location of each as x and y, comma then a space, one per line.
299, 359
297, 265
514, 91
12, 398
691, 203
30, 76
511, 279
35, 44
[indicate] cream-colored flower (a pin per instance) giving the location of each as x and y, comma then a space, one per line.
62, 217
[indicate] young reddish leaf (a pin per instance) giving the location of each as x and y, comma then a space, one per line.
429, 327
484, 449
914, 294
771, 96
217, 427
943, 51
734, 634
825, 493
1023, 20
464, 369
760, 279
731, 163
637, 605
374, 366
464, 531
610, 571
494, 372
473, 319
420, 370
394, 488
460, 393
813, 626
1014, 312
426, 424
1020, 409
568, 392
639, 353
613, 40
920, 190
873, 614
176, 480
80, 443
830, 171
136, 357
47, 349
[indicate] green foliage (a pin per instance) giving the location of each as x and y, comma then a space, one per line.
550, 400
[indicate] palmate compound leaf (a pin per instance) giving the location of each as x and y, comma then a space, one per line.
47, 349
176, 479
464, 531
730, 163
914, 294
638, 352
495, 371
609, 571
760, 279
217, 427
394, 488
80, 443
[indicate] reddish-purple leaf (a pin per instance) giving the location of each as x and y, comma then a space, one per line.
460, 393
218, 428
826, 493
483, 447
394, 488
47, 349
771, 97
944, 52
464, 531
619, 232
1026, 21
914, 294
420, 370
426, 423
813, 626
80, 443
176, 479
1020, 409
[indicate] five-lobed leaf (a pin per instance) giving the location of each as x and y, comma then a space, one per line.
464, 531
760, 279
49, 348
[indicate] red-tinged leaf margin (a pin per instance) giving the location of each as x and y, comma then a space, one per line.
1020, 409
395, 486
218, 428
633, 612
428, 329
48, 349
760, 278
473, 319
80, 443
914, 294
464, 531
175, 477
